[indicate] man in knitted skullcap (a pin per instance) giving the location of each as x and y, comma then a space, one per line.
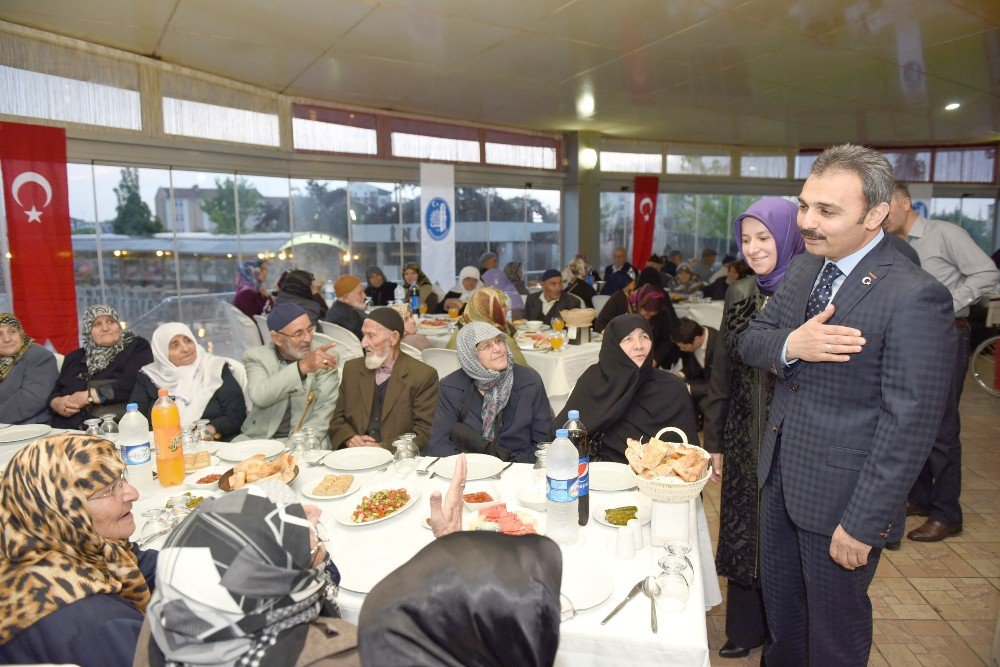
348, 310
386, 392
551, 300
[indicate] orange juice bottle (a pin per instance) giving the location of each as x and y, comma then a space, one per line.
166, 420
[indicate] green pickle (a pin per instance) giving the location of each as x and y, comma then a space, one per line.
619, 516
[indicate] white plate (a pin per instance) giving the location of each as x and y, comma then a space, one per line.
586, 583
23, 432
307, 488
344, 511
642, 503
241, 451
191, 481
531, 497
357, 458
472, 521
608, 476
368, 562
480, 466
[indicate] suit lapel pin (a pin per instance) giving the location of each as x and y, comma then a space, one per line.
869, 279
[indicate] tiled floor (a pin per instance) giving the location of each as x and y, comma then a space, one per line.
934, 604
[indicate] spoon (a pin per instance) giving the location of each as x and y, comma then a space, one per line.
651, 589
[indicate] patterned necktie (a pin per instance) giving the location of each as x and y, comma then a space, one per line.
820, 297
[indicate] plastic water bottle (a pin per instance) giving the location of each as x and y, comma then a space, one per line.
133, 436
399, 294
577, 434
561, 490
328, 290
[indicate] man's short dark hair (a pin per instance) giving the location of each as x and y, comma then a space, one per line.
687, 330
875, 172
902, 189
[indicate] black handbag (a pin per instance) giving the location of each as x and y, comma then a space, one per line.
467, 440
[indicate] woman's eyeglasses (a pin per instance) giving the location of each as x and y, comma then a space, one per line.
493, 342
115, 489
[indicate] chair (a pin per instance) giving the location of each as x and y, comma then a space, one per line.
599, 301
245, 332
261, 321
348, 346
239, 372
59, 360
442, 360
406, 348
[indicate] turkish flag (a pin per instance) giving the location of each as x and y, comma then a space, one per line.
36, 199
644, 220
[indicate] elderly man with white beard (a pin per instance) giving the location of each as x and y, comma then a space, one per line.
385, 393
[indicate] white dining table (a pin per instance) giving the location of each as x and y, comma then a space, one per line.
707, 313
368, 553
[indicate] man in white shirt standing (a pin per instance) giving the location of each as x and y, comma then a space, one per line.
948, 253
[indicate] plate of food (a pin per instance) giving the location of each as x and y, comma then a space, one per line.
585, 582
609, 476
480, 496
533, 341
331, 487
199, 461
380, 502
618, 512
357, 458
240, 451
19, 432
205, 478
502, 519
479, 466
257, 468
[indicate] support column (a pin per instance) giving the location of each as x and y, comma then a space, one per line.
581, 204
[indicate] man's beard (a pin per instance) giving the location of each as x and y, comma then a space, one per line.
374, 359
291, 351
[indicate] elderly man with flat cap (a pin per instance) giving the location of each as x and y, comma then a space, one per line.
551, 301
348, 310
385, 393
292, 381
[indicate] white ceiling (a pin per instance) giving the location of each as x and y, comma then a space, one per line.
801, 73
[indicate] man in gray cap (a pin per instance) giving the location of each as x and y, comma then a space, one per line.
488, 260
385, 393
551, 300
292, 382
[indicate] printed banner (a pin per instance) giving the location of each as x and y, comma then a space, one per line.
36, 201
644, 219
437, 223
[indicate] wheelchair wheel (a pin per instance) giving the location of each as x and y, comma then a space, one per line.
984, 365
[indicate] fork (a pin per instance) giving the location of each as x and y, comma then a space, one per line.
426, 469
497, 476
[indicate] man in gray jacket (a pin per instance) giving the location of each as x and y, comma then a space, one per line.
292, 383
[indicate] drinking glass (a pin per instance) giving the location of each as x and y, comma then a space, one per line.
297, 444
556, 341
674, 587
201, 430
405, 458
155, 526
93, 426
671, 561
311, 439
109, 429
558, 323
566, 609
423, 309
538, 472
453, 313
190, 441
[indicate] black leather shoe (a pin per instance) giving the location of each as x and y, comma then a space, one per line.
731, 650
893, 546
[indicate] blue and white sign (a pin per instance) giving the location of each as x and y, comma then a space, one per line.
437, 219
437, 237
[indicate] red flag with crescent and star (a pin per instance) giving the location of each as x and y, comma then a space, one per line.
645, 219
36, 200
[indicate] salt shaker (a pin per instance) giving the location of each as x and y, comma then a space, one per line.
636, 529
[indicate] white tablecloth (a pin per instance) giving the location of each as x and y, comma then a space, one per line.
625, 640
560, 370
708, 313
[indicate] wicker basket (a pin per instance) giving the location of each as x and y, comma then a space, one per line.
679, 492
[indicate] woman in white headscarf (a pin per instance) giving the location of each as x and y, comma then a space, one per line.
202, 384
461, 292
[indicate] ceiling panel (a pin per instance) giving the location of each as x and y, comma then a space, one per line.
623, 26
469, 95
541, 58
971, 61
521, 14
334, 77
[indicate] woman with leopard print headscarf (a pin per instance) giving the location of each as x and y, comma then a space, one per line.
72, 588
98, 378
27, 374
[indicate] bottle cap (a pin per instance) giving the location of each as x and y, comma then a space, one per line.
574, 414
132, 407
162, 392
562, 433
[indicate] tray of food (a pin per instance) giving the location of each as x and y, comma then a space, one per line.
257, 468
668, 471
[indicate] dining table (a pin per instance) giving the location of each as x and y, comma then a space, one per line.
593, 575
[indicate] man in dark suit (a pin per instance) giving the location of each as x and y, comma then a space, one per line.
616, 274
551, 300
858, 339
385, 393
697, 346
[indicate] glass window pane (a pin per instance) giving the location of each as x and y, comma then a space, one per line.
434, 148
83, 232
542, 232
533, 157
471, 229
803, 163
375, 231
638, 163
316, 135
220, 123
408, 196
616, 216
910, 166
976, 215
508, 237
704, 165
319, 217
763, 166
264, 220
974, 165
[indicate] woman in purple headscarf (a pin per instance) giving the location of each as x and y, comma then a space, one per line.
736, 415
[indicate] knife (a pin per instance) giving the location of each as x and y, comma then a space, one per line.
631, 594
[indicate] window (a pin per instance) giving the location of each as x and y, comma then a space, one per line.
702, 165
434, 148
375, 230
763, 166
333, 138
966, 165
535, 157
803, 163
910, 166
319, 220
212, 121
638, 163
976, 215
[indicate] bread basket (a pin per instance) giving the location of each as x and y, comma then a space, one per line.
578, 317
677, 490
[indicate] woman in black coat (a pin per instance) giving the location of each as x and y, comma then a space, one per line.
200, 383
644, 298
98, 378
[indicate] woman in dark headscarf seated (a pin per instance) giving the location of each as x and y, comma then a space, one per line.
27, 374
380, 290
470, 598
72, 588
647, 298
252, 296
246, 580
97, 379
299, 287
623, 396
491, 405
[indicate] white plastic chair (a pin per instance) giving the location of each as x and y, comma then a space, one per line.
348, 346
265, 333
239, 372
442, 360
59, 360
247, 335
406, 348
599, 301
